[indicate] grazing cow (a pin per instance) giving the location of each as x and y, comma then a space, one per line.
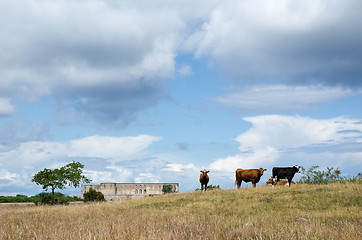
281, 182
249, 175
284, 173
204, 179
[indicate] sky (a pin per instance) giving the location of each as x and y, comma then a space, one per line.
155, 91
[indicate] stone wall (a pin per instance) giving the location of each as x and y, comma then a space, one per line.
123, 191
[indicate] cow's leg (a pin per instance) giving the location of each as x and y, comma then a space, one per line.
205, 187
238, 183
289, 182
275, 181
254, 184
202, 187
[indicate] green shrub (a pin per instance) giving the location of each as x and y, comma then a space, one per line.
41, 198
209, 187
167, 189
314, 176
14, 199
93, 195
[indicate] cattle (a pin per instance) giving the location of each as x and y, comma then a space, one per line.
249, 175
204, 179
284, 173
281, 182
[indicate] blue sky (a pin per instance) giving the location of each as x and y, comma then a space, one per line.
155, 92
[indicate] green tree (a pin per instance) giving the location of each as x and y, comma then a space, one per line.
70, 174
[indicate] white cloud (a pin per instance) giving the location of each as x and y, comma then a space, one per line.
147, 178
281, 98
283, 41
177, 167
111, 147
114, 174
185, 70
6, 108
99, 176
104, 59
99, 154
6, 175
274, 137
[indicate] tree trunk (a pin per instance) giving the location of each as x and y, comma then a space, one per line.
52, 201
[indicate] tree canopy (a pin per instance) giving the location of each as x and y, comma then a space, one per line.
70, 174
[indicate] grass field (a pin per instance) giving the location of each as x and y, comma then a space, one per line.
301, 212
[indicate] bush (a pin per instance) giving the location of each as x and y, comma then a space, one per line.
209, 187
41, 198
313, 176
59, 198
356, 179
16, 199
93, 195
167, 189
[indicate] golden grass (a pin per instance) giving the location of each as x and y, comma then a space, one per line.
300, 212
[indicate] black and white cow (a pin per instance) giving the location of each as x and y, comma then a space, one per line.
284, 173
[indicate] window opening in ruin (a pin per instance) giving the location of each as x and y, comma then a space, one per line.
144, 191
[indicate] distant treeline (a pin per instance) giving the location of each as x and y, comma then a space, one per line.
41, 198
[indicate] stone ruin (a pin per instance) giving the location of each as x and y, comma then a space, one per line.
124, 191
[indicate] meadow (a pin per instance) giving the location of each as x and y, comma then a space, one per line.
331, 211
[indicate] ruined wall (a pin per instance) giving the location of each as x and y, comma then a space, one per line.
123, 191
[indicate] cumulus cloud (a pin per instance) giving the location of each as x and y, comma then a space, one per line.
15, 132
111, 147
177, 167
105, 158
147, 177
6, 108
284, 41
6, 175
106, 60
273, 137
283, 98
185, 70
112, 174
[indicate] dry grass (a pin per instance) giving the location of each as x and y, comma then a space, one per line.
300, 212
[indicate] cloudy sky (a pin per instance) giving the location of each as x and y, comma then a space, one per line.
155, 91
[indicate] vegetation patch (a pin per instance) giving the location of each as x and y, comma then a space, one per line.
299, 212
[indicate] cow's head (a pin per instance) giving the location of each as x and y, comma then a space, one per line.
261, 171
296, 167
270, 181
204, 172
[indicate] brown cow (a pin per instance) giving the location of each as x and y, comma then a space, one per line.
204, 179
249, 175
281, 182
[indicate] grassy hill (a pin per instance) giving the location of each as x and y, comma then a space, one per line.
301, 212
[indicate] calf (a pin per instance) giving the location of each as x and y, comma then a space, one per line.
204, 179
281, 182
249, 175
284, 173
